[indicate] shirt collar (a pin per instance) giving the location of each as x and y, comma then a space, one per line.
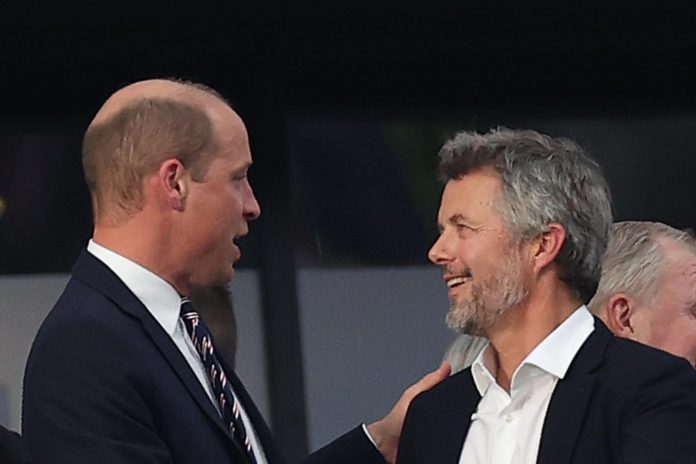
481, 369
552, 355
158, 296
555, 353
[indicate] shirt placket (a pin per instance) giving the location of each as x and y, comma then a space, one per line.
503, 449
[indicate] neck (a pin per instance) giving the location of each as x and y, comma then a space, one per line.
145, 242
523, 327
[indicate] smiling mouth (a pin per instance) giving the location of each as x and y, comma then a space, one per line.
456, 281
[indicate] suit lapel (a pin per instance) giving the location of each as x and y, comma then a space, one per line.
173, 356
450, 424
570, 399
97, 275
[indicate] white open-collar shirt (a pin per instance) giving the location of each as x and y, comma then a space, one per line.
506, 427
164, 304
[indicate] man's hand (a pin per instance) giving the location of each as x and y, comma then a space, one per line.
386, 432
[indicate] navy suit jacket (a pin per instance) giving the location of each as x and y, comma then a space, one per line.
104, 383
11, 450
620, 402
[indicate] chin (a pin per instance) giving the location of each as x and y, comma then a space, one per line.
225, 277
220, 278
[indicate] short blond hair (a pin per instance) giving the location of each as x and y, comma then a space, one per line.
120, 151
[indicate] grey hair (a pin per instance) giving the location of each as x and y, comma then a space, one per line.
634, 262
544, 179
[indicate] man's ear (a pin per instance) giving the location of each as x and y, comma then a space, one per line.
174, 180
546, 247
619, 311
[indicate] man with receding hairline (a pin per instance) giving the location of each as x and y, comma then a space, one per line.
647, 292
122, 370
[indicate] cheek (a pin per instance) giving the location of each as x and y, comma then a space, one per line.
232, 206
495, 261
474, 254
643, 329
677, 336
686, 334
214, 233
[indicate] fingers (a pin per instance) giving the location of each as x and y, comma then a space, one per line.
431, 379
442, 372
385, 432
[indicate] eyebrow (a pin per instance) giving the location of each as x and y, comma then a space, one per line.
245, 167
454, 219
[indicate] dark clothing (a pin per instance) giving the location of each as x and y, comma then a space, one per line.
105, 383
620, 402
11, 450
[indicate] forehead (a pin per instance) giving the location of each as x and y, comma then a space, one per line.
230, 134
472, 195
680, 277
681, 258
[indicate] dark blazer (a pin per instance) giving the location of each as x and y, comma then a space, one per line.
620, 402
105, 384
11, 450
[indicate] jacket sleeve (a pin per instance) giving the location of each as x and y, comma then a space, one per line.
353, 447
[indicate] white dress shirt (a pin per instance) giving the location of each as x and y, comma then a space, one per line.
506, 428
164, 303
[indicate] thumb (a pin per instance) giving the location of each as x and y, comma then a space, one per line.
430, 380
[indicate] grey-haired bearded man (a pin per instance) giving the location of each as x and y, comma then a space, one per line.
524, 221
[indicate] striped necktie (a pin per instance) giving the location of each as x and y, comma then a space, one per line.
222, 389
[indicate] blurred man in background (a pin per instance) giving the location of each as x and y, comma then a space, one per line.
647, 292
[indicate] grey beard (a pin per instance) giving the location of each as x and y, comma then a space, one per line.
489, 301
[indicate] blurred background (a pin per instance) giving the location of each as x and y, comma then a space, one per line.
346, 104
